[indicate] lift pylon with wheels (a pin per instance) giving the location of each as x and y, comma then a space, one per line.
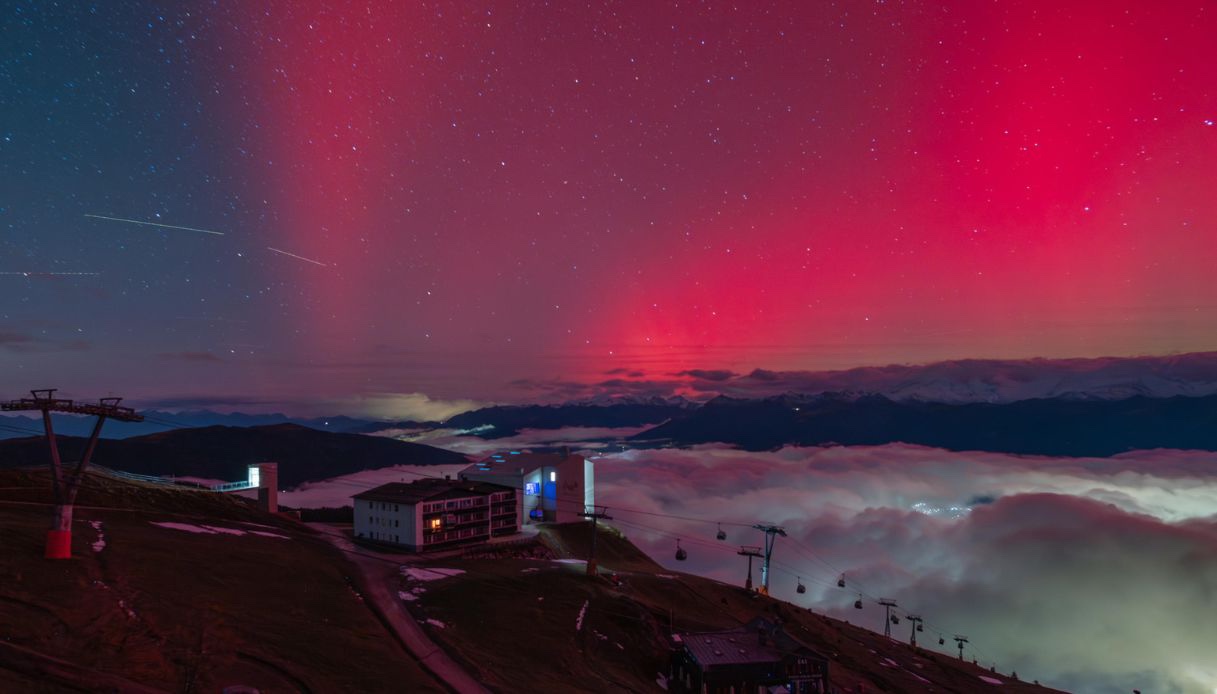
64, 483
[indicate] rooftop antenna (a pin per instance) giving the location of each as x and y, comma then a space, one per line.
749, 552
771, 533
888, 604
65, 484
961, 640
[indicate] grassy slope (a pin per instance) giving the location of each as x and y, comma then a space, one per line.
622, 644
205, 610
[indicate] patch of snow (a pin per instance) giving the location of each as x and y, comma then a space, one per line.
529, 570
263, 533
569, 561
419, 574
661, 680
122, 604
436, 623
187, 527
582, 612
619, 646
225, 531
100, 544
990, 680
665, 576
919, 677
406, 597
888, 662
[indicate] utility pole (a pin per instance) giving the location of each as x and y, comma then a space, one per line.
597, 513
888, 604
749, 552
961, 640
771, 533
914, 625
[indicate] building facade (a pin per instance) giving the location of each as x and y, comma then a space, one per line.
433, 514
553, 487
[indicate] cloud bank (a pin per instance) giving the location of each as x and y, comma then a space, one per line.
1088, 574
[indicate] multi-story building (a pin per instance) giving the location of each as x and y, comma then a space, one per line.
555, 487
431, 514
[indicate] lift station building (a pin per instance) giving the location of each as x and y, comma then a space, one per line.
554, 487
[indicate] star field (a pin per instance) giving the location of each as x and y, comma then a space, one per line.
448, 197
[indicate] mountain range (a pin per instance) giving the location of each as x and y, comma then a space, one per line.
223, 453
1046, 426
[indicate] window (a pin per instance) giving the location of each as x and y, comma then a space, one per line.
436, 524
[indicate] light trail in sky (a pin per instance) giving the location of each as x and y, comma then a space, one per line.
51, 274
155, 224
297, 257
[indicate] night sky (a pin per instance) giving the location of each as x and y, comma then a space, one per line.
465, 197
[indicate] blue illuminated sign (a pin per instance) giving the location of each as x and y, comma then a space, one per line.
532, 488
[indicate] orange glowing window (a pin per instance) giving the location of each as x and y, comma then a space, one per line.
435, 524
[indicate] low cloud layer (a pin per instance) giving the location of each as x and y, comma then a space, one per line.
406, 406
1087, 574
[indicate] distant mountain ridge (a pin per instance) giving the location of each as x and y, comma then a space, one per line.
1051, 426
996, 380
967, 381
157, 421
218, 452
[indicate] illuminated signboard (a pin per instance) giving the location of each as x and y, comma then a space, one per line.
532, 488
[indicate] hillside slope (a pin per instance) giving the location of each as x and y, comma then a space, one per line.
303, 454
599, 635
258, 600
227, 595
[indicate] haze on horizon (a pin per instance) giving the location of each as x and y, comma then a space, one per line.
453, 201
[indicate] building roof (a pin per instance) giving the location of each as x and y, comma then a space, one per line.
743, 645
515, 462
730, 648
429, 490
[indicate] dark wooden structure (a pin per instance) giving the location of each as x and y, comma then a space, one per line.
748, 659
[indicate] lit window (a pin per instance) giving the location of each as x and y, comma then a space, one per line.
436, 524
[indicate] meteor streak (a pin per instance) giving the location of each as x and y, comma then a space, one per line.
297, 257
154, 224
51, 274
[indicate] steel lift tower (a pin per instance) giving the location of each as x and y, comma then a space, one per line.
749, 552
888, 621
65, 484
771, 536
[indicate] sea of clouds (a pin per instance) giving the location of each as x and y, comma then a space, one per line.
1093, 575
1088, 574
